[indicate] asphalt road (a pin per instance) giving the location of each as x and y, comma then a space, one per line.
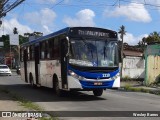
111, 100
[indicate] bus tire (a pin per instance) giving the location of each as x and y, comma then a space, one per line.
57, 90
31, 81
97, 92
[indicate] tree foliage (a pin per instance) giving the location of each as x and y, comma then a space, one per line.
15, 30
122, 31
5, 39
152, 38
22, 39
37, 34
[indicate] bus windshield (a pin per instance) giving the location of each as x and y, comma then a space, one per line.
90, 52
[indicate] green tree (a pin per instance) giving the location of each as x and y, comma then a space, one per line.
153, 37
22, 39
122, 32
15, 30
5, 39
142, 43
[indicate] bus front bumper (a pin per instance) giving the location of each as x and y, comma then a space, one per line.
92, 84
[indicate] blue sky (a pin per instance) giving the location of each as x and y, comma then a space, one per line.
140, 17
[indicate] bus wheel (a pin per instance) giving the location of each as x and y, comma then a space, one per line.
97, 92
31, 81
58, 91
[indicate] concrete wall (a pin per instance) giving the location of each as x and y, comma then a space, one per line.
133, 67
153, 68
152, 56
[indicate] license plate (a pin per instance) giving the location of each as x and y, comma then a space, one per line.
98, 83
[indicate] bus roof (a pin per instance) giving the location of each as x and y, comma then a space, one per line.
65, 30
81, 31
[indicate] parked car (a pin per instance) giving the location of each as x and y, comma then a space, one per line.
5, 70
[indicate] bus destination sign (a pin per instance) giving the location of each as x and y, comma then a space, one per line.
93, 33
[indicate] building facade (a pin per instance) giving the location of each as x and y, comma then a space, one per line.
133, 64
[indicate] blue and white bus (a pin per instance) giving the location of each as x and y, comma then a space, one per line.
74, 58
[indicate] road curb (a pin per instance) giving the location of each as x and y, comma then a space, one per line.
155, 91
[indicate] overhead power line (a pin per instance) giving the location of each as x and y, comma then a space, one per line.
5, 6
57, 3
144, 3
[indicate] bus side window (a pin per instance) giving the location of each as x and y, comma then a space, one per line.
47, 50
42, 45
50, 51
56, 49
32, 52
28, 53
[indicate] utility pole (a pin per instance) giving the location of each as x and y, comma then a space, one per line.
122, 32
5, 7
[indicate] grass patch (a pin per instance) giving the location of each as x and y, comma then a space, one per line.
126, 78
27, 104
129, 88
129, 79
48, 118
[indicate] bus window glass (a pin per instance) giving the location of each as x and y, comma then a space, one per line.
56, 49
100, 53
50, 48
42, 50
28, 53
32, 52
47, 51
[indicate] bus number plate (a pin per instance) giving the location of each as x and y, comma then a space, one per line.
98, 83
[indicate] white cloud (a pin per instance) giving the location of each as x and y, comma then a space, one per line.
46, 29
154, 2
45, 17
132, 11
9, 25
83, 18
133, 40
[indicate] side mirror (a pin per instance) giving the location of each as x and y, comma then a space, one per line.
68, 46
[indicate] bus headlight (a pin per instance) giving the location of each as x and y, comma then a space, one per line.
116, 76
73, 74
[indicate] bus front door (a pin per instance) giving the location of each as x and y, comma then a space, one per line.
36, 54
64, 64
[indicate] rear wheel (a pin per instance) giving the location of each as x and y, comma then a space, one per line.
97, 92
58, 91
31, 81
